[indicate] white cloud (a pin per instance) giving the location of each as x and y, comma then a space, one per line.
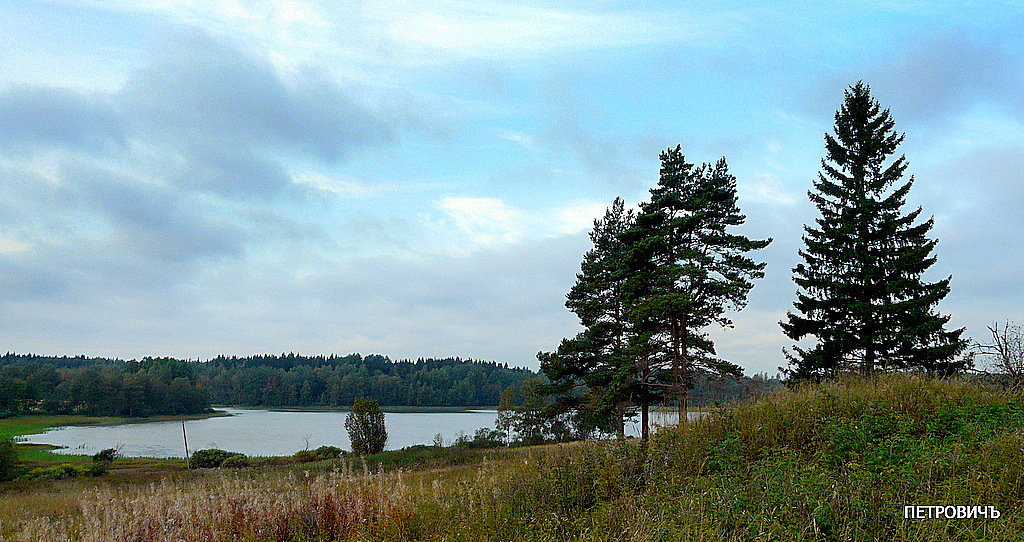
405, 33
340, 186
11, 246
766, 189
578, 216
503, 29
487, 221
490, 221
518, 138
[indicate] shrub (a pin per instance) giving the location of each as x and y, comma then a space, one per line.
95, 469
210, 458
235, 462
62, 471
319, 454
105, 456
365, 425
328, 452
485, 437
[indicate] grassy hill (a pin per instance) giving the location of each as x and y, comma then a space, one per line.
836, 461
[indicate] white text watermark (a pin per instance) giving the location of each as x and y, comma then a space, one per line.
950, 512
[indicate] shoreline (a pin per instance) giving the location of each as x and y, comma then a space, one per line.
384, 408
18, 427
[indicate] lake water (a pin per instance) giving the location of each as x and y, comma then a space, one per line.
270, 433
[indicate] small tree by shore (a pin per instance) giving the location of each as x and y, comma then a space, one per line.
365, 426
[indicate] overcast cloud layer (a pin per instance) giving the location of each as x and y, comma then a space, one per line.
417, 179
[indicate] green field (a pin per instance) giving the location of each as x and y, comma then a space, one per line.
31, 425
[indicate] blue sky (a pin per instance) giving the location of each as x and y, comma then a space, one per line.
417, 178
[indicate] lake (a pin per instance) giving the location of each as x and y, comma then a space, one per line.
256, 432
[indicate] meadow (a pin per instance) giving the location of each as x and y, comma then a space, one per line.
835, 461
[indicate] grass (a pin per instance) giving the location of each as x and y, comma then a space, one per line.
836, 461
34, 424
839, 461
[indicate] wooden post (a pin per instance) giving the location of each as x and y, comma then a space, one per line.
185, 438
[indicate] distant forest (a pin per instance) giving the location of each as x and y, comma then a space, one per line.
98, 386
165, 386
109, 387
337, 381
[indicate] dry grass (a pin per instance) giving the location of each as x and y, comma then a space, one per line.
228, 506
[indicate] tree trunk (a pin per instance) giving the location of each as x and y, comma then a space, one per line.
645, 426
620, 428
678, 372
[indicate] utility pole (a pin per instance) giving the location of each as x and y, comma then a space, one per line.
185, 438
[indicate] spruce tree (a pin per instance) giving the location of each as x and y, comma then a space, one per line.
862, 296
589, 372
686, 268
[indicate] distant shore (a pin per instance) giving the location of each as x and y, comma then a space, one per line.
386, 409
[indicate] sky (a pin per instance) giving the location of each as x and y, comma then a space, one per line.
191, 178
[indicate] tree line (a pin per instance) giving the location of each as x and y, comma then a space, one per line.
337, 381
166, 386
98, 386
658, 278
156, 386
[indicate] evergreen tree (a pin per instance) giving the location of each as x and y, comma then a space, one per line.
589, 373
861, 294
686, 268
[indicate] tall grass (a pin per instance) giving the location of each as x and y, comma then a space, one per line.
838, 461
330, 506
835, 461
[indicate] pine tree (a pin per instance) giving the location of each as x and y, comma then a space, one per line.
589, 373
686, 268
861, 290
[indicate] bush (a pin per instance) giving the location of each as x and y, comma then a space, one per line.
105, 456
235, 462
319, 454
54, 472
328, 452
485, 437
64, 471
365, 425
211, 458
96, 469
